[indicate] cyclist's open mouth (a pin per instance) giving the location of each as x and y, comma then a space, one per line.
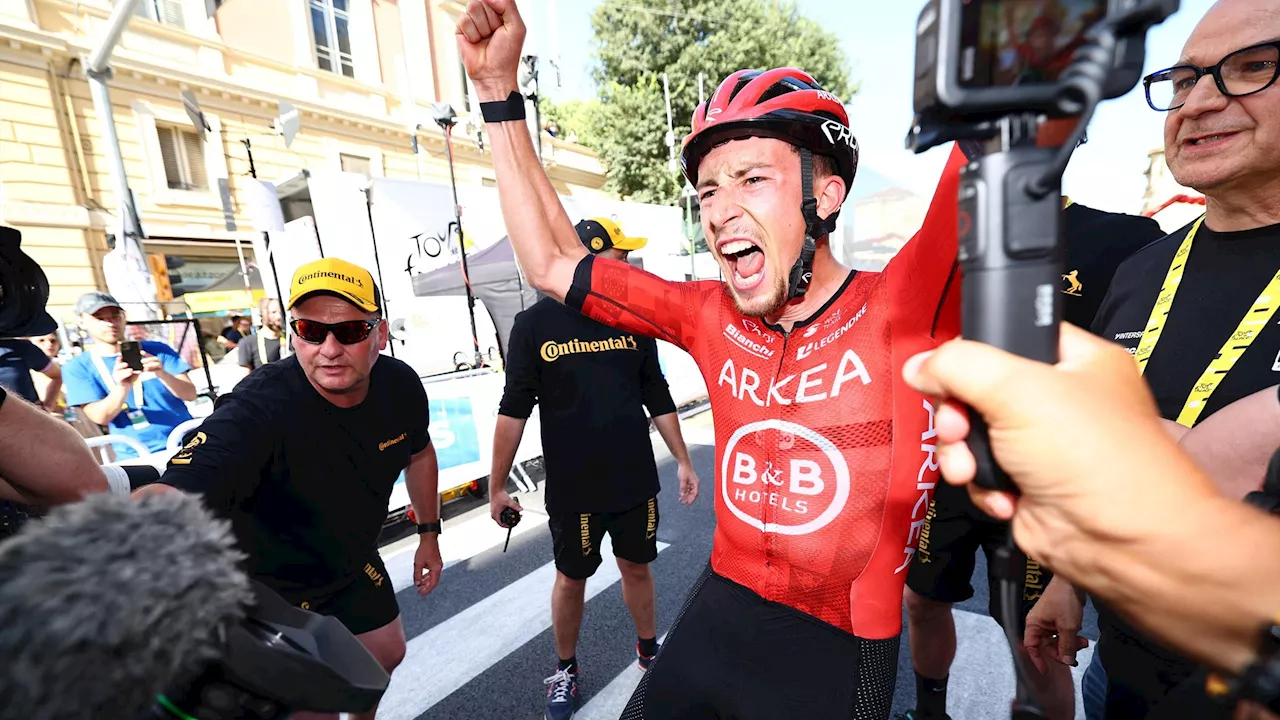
746, 261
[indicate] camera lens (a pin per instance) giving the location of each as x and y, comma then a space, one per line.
24, 289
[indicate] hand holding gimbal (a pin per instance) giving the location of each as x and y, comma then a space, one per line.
978, 82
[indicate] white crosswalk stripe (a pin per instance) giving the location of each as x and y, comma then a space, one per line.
466, 540
454, 652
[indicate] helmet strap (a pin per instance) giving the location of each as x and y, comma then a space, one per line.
814, 228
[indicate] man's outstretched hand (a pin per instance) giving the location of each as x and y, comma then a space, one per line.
490, 37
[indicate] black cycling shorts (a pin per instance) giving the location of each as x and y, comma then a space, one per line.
362, 604
576, 537
943, 565
733, 654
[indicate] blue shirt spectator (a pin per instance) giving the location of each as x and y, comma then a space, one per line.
145, 406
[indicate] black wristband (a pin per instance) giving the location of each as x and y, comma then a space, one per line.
430, 527
503, 110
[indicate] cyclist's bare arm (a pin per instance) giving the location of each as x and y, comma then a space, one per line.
490, 35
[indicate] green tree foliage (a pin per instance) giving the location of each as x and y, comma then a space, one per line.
638, 40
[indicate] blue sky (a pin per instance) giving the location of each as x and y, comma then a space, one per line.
879, 39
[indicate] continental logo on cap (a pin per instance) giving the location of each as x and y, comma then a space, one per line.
184, 456
551, 350
331, 275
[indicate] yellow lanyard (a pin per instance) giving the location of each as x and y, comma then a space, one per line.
1246, 332
262, 348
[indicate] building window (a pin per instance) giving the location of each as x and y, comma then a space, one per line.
182, 152
355, 164
330, 20
168, 12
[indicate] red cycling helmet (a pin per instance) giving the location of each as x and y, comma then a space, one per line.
784, 103
789, 105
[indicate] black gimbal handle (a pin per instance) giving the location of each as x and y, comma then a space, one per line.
1012, 263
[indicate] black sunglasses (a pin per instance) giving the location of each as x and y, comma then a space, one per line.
348, 332
1244, 72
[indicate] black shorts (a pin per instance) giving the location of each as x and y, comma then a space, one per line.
363, 603
575, 538
733, 654
1140, 679
943, 565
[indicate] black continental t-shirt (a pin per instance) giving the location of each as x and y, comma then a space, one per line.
1224, 275
591, 382
305, 483
1096, 243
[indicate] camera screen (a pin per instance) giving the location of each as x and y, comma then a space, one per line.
1022, 42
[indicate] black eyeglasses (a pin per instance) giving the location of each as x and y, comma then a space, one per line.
1243, 72
348, 332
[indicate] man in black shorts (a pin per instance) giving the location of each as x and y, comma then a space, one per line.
1097, 243
1198, 308
592, 383
303, 454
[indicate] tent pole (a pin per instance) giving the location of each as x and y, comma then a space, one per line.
377, 261
457, 217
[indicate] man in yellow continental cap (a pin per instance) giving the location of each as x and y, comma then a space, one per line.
593, 384
303, 454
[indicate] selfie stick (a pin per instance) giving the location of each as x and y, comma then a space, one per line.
1012, 258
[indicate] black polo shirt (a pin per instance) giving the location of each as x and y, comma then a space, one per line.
592, 383
1224, 274
305, 483
1096, 243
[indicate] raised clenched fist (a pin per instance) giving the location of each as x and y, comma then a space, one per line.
490, 37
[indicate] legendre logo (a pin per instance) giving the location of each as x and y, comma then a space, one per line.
336, 276
552, 349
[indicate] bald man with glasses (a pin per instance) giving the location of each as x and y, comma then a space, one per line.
1197, 309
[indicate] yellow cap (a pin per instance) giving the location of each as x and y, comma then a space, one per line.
339, 277
600, 234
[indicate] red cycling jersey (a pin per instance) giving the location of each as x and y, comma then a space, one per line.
824, 457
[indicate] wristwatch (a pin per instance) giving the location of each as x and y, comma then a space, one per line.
430, 527
1260, 682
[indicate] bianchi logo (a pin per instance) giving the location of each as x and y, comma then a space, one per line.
802, 495
757, 345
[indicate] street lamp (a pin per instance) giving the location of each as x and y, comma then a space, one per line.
446, 118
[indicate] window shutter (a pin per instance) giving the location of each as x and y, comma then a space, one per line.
170, 12
355, 164
194, 147
169, 155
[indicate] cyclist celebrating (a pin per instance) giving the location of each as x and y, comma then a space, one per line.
825, 459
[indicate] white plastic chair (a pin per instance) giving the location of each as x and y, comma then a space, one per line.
175, 438
105, 440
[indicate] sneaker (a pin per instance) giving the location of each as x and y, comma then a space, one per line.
646, 660
562, 694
